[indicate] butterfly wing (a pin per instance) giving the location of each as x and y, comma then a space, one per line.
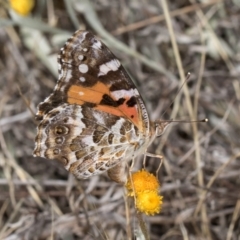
85, 140
95, 118
90, 75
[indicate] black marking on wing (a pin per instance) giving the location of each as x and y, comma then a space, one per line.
107, 100
132, 102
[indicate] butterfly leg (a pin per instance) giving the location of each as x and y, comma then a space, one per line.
155, 156
132, 165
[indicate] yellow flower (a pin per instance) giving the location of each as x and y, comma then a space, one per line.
144, 186
142, 181
22, 7
149, 202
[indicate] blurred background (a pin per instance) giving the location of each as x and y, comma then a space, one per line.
158, 42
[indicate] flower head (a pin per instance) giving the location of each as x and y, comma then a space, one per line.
142, 181
144, 186
22, 7
149, 202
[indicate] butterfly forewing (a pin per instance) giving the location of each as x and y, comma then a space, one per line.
89, 74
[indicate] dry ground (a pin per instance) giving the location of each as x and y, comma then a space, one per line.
158, 45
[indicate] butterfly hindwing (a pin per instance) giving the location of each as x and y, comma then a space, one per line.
85, 140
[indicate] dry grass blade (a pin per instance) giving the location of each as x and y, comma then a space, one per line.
211, 181
234, 221
157, 19
3, 231
20, 173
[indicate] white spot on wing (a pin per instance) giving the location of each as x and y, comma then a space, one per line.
117, 126
99, 118
104, 69
80, 57
97, 44
68, 75
82, 79
83, 68
60, 71
124, 93
81, 93
136, 92
88, 140
112, 65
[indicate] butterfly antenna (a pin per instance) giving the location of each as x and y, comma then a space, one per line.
186, 79
186, 121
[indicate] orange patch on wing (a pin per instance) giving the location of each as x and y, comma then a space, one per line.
132, 114
123, 111
80, 95
75, 101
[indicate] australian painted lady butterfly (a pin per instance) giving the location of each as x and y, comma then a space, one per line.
95, 120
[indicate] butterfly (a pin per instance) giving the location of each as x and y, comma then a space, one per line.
95, 120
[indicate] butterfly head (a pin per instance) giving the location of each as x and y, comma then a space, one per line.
159, 127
